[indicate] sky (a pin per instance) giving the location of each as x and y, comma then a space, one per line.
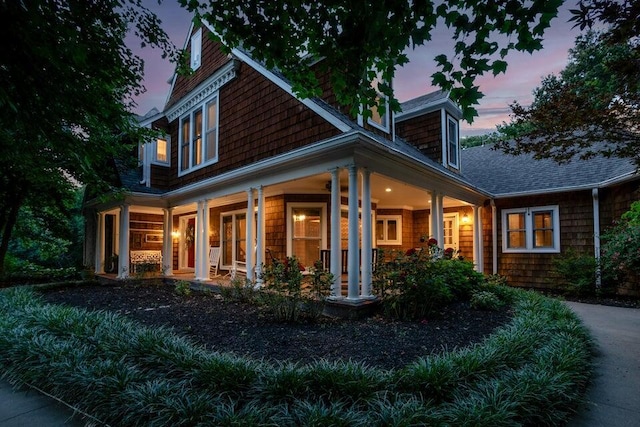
524, 72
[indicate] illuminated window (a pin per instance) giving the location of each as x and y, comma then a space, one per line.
535, 229
162, 151
199, 136
389, 230
306, 231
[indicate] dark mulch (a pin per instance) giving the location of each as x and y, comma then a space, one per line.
247, 330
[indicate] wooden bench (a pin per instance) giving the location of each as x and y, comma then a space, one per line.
138, 258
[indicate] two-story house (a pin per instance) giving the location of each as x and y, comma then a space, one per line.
248, 167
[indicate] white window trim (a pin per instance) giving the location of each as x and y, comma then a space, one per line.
323, 223
232, 214
386, 219
387, 126
196, 50
190, 114
455, 230
155, 160
529, 211
455, 164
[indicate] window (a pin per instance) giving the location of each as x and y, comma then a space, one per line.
451, 231
306, 231
234, 238
381, 121
389, 230
195, 150
531, 229
162, 151
196, 49
453, 145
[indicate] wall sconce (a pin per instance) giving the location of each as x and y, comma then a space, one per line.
465, 218
175, 234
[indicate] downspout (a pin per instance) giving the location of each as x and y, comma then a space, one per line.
494, 236
596, 235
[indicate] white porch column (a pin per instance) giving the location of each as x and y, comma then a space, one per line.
353, 257
250, 240
440, 224
202, 241
494, 237
367, 241
260, 237
477, 239
167, 242
336, 249
596, 235
100, 256
123, 243
433, 216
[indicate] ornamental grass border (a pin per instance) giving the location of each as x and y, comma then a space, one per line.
532, 371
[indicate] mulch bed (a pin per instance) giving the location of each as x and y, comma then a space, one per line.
248, 330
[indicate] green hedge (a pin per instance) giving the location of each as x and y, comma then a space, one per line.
532, 372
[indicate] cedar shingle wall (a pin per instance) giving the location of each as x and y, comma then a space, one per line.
257, 120
576, 232
424, 133
212, 58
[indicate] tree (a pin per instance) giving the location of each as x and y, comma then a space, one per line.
66, 85
360, 42
593, 106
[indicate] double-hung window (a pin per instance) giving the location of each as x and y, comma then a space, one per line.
534, 229
389, 229
199, 136
378, 119
453, 144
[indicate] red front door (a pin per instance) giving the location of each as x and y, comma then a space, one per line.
191, 246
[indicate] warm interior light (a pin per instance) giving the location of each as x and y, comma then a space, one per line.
388, 190
299, 217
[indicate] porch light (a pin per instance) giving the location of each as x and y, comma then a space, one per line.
465, 218
388, 189
175, 234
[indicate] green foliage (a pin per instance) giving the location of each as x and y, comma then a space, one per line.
577, 272
358, 44
486, 300
183, 288
65, 99
533, 371
620, 251
418, 284
290, 295
587, 109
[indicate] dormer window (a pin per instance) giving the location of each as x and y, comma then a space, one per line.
453, 143
162, 150
380, 121
196, 49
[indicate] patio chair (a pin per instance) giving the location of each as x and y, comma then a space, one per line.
214, 260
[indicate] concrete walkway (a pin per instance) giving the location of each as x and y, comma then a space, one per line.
30, 408
614, 395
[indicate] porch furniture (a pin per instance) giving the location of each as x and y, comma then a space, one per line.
214, 260
138, 258
325, 259
239, 269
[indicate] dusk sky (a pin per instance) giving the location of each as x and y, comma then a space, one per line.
524, 72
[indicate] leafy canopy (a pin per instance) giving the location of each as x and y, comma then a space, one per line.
362, 42
593, 106
67, 81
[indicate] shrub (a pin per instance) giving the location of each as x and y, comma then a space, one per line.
417, 284
289, 294
577, 272
183, 288
486, 300
620, 252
